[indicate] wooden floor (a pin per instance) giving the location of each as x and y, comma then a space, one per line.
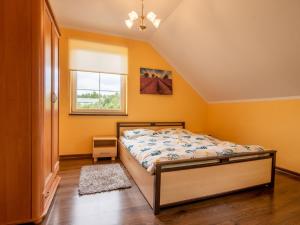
128, 207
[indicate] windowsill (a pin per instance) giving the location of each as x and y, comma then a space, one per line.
96, 114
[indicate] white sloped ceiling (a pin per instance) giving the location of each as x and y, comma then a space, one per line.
234, 49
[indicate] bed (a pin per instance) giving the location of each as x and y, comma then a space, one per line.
177, 168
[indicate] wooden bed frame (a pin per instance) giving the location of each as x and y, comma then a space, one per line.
182, 181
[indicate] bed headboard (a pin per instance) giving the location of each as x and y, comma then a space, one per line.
121, 126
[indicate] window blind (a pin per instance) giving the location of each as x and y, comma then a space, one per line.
97, 57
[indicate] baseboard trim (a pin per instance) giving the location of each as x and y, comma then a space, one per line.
75, 156
289, 172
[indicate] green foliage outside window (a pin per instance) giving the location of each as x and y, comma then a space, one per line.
95, 100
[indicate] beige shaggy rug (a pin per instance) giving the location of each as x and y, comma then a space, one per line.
100, 178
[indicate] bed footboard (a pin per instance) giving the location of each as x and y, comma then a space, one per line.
178, 182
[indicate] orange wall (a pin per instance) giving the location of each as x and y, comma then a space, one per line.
272, 124
184, 105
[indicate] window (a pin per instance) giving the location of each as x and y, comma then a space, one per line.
98, 78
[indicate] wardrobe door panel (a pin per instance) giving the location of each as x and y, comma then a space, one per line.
15, 111
55, 99
47, 97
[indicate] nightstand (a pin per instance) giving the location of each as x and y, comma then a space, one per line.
104, 147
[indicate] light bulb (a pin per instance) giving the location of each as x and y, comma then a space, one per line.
133, 15
151, 16
156, 23
129, 23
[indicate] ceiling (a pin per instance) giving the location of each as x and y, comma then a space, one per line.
108, 16
226, 49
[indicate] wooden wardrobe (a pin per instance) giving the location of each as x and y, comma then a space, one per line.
29, 86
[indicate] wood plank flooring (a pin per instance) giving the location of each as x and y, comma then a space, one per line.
128, 207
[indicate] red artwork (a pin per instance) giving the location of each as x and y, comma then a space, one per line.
156, 82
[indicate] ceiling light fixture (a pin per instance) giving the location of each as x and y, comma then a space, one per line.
133, 16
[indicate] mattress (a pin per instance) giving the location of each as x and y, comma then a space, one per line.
178, 144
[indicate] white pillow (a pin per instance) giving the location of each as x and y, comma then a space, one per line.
174, 131
130, 134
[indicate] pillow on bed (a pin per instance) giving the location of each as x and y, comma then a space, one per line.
130, 134
173, 131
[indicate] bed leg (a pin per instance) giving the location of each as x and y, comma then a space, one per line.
156, 210
272, 183
156, 196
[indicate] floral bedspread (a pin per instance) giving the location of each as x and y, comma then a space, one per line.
165, 146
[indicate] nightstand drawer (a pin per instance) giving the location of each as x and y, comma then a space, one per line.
106, 150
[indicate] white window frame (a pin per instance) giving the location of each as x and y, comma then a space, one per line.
107, 112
